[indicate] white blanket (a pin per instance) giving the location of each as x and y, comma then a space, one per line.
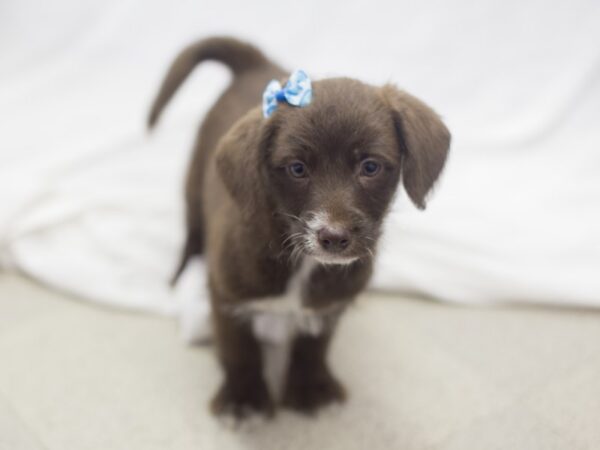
90, 204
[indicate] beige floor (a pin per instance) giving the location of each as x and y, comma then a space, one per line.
421, 376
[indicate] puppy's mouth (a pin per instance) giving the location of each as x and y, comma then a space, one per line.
332, 259
328, 243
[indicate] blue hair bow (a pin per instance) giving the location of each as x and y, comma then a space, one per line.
296, 92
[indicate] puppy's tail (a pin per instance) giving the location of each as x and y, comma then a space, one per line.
238, 55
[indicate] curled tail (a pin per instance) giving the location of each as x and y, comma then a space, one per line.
238, 55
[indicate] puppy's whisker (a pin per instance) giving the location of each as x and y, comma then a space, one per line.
290, 239
292, 216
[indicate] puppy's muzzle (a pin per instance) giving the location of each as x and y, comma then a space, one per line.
333, 240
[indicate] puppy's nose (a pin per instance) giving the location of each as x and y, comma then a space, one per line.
333, 240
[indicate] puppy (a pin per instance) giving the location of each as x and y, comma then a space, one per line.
288, 211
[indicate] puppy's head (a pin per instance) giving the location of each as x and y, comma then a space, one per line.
330, 170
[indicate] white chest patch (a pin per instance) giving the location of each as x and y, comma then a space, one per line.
276, 320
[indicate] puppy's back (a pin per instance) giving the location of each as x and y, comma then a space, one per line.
251, 70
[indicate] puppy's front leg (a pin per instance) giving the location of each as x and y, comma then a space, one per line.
310, 384
243, 390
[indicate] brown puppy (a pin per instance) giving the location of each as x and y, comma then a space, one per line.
288, 211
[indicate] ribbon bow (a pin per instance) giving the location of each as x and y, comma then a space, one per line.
296, 92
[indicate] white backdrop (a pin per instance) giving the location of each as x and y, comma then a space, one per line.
91, 204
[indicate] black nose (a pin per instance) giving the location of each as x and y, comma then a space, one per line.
333, 240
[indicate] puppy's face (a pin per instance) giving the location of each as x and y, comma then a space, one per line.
334, 167
330, 170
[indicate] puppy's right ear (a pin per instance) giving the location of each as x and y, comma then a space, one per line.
241, 159
423, 139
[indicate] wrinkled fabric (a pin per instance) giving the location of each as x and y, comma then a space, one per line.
92, 204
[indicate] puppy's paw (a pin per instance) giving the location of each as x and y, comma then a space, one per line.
235, 404
309, 393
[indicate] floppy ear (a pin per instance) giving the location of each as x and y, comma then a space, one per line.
241, 159
423, 139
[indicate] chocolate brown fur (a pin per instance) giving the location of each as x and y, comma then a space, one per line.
255, 221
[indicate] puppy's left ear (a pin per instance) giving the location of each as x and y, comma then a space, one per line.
241, 158
423, 139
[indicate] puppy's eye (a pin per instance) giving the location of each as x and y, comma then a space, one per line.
369, 168
297, 169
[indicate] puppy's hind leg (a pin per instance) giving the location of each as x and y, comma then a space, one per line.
193, 246
194, 216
